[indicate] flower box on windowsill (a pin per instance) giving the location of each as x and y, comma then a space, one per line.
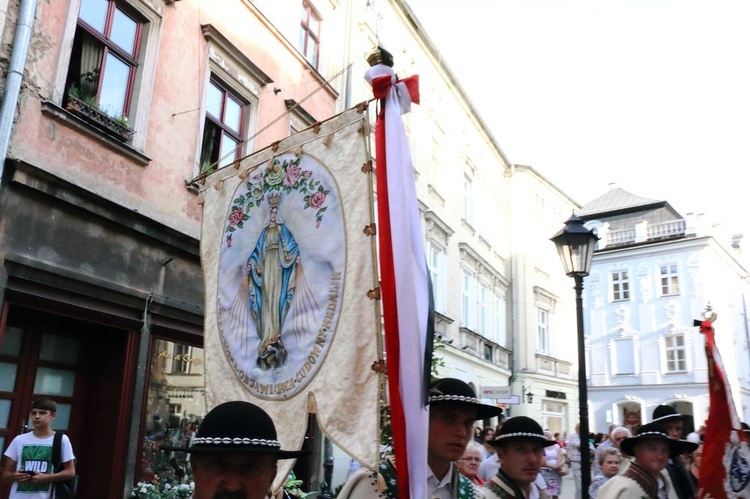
99, 118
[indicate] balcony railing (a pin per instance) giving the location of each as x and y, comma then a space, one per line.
652, 232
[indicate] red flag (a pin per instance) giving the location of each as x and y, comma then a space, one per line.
404, 281
725, 472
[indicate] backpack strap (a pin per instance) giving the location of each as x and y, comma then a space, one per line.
57, 451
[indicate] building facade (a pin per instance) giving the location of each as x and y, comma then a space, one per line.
122, 104
654, 272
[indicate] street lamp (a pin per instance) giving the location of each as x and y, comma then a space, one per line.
575, 244
529, 395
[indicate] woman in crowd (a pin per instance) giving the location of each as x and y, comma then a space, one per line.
552, 461
488, 435
695, 464
468, 464
609, 466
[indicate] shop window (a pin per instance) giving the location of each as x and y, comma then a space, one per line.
103, 64
175, 406
554, 416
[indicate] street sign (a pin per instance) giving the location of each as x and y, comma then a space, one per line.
512, 400
494, 392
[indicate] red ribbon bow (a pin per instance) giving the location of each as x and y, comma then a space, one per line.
382, 85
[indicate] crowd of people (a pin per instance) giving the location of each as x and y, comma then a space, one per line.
235, 452
655, 462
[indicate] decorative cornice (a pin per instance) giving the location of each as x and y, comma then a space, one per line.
213, 35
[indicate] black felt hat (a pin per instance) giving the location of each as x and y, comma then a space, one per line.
664, 413
521, 428
655, 431
451, 391
237, 427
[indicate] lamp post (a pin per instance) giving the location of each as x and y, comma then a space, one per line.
575, 244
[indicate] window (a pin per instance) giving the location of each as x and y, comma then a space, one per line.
436, 265
104, 58
181, 359
488, 353
468, 207
468, 300
309, 35
500, 333
553, 416
485, 311
620, 286
670, 282
223, 129
542, 328
174, 407
674, 348
299, 118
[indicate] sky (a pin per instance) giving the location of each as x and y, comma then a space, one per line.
652, 96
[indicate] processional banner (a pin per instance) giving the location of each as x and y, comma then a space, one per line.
725, 472
289, 325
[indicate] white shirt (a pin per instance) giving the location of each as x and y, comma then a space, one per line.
38, 457
440, 488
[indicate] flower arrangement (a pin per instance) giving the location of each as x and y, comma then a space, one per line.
279, 177
147, 490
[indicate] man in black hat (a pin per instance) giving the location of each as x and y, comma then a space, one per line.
234, 453
454, 408
652, 448
520, 447
673, 422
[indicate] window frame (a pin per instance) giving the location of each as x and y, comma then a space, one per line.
542, 331
681, 350
306, 33
485, 310
241, 76
109, 46
620, 285
669, 279
151, 19
436, 267
488, 352
500, 319
218, 121
468, 299
467, 211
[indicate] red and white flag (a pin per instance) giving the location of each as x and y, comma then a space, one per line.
725, 472
404, 279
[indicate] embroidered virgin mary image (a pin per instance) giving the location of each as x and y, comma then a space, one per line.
272, 271
281, 274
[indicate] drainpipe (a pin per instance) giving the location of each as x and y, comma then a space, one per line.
21, 42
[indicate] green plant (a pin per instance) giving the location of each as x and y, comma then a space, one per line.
122, 120
146, 490
76, 93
